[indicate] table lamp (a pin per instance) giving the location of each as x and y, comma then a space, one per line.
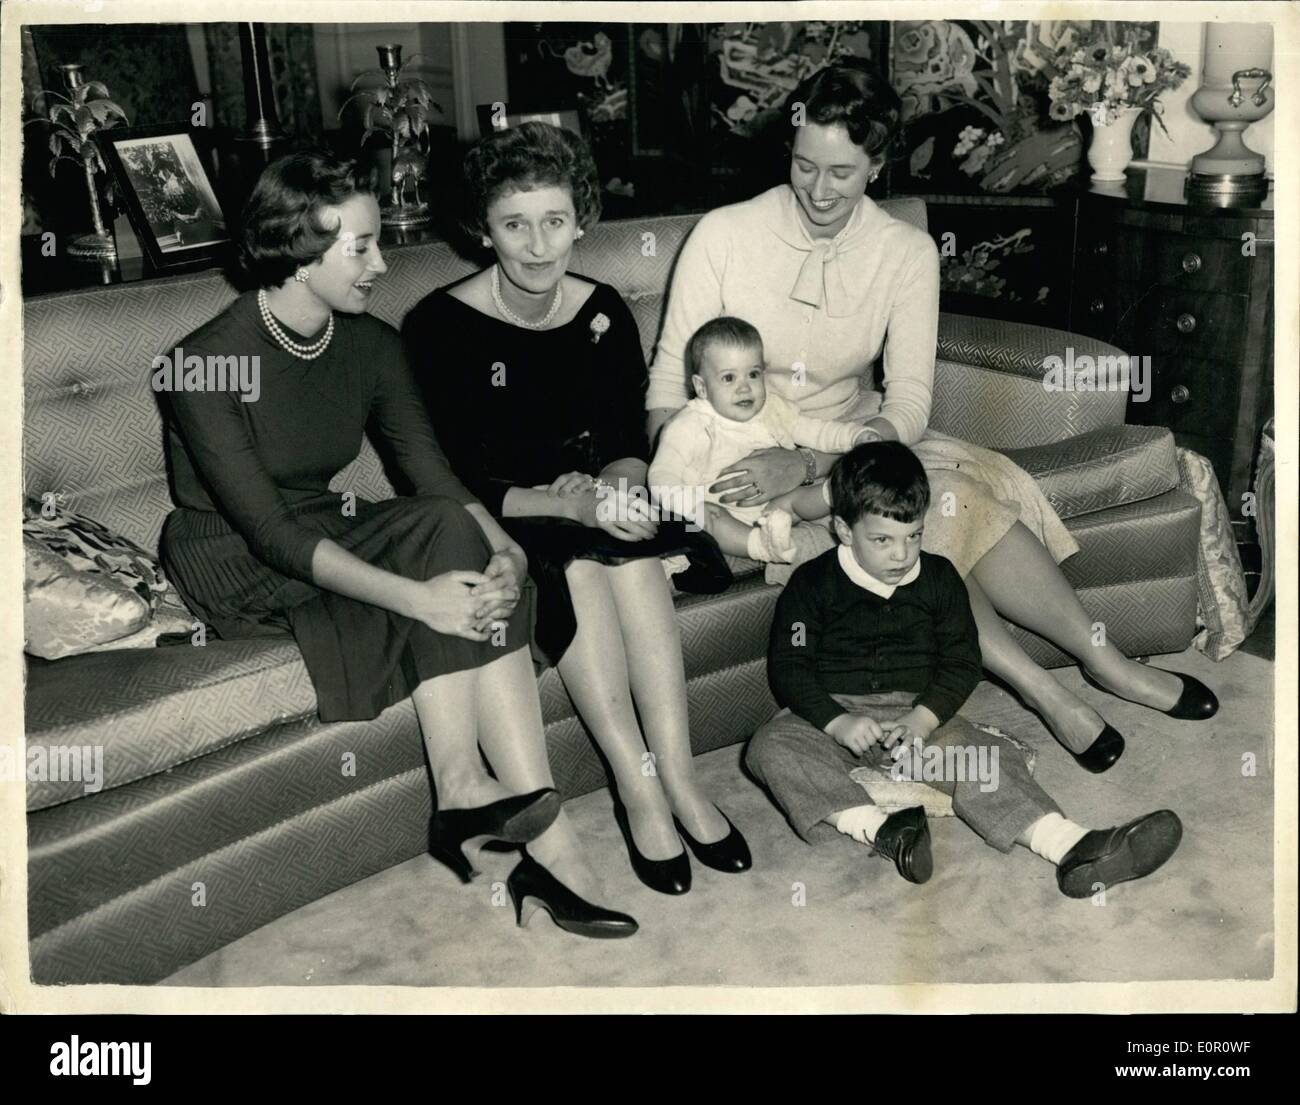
1234, 93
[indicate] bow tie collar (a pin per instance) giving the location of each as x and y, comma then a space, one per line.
821, 282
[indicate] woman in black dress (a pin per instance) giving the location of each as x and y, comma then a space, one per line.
422, 597
536, 381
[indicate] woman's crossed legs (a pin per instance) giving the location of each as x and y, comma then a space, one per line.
1018, 579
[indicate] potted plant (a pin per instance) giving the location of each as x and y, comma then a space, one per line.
74, 120
399, 109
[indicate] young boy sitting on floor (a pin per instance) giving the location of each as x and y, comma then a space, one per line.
732, 416
873, 648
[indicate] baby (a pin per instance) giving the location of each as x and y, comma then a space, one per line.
731, 417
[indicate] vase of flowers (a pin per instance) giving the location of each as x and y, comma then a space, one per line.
400, 109
1114, 84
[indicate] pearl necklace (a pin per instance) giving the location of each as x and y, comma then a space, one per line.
509, 315
302, 352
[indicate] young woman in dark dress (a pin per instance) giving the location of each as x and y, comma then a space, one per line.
536, 381
422, 597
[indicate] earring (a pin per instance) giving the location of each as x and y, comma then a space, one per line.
302, 276
486, 242
580, 234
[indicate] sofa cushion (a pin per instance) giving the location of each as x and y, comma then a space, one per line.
151, 709
1104, 468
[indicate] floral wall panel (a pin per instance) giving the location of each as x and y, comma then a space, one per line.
1008, 259
582, 65
754, 67
976, 109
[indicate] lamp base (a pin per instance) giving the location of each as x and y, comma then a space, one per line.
92, 247
405, 216
1229, 156
1226, 189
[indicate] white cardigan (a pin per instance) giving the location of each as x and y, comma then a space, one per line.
824, 307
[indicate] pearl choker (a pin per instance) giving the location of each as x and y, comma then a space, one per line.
510, 316
302, 352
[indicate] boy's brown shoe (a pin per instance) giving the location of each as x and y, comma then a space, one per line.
1110, 856
905, 838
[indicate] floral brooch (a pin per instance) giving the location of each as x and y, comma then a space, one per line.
599, 325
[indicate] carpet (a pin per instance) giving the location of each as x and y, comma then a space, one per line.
836, 915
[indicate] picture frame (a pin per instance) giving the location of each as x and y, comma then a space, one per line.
504, 116
163, 184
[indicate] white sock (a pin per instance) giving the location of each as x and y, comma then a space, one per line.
757, 547
1052, 836
861, 822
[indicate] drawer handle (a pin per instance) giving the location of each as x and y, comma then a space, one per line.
1097, 305
1180, 394
1186, 323
1192, 262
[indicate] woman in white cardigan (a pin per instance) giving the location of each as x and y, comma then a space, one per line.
831, 280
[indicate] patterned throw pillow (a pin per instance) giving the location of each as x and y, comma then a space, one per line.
101, 570
86, 546
66, 611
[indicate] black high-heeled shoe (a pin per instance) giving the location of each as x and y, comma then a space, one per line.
1196, 702
730, 854
1102, 753
668, 876
570, 912
516, 820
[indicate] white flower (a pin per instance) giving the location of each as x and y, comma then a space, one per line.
599, 325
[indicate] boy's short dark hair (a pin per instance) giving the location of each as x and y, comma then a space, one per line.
880, 477
723, 330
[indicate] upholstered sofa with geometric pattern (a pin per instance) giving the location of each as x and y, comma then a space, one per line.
225, 802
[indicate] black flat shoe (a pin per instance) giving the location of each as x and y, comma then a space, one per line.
1102, 753
1110, 856
570, 912
668, 876
905, 838
516, 820
730, 854
1196, 703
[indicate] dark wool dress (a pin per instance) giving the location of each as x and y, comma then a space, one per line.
518, 408
250, 481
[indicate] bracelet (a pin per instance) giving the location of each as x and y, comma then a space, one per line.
809, 466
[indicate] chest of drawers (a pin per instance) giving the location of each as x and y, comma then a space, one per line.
1190, 288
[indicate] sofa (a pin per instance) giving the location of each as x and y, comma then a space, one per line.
226, 803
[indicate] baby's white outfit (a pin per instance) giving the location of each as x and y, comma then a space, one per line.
698, 443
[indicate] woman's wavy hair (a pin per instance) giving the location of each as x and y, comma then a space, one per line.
282, 225
853, 93
523, 158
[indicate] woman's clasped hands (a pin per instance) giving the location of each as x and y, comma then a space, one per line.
472, 604
621, 511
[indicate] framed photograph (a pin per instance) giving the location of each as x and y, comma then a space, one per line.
503, 116
165, 189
